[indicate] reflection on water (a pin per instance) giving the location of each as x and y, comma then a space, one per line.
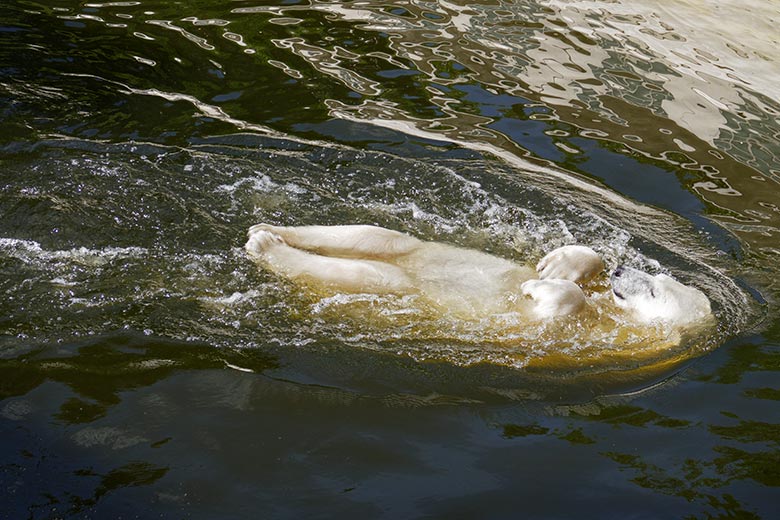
103, 368
203, 440
147, 368
666, 83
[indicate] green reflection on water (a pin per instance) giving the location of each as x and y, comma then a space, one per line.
100, 370
763, 393
637, 416
747, 358
129, 475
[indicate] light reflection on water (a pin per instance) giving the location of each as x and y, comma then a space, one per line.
669, 82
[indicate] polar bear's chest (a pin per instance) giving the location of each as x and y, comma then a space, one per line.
465, 281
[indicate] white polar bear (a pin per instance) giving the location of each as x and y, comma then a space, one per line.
463, 282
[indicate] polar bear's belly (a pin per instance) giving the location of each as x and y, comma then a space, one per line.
464, 282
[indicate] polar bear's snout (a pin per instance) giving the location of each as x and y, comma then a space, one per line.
622, 270
628, 282
617, 273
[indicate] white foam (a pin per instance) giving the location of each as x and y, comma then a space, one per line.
261, 182
234, 299
29, 250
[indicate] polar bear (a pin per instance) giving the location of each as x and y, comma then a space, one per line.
463, 282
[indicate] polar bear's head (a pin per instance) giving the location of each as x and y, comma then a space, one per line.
658, 298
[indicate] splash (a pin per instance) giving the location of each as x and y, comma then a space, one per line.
180, 271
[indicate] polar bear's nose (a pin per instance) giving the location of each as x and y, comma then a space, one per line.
618, 271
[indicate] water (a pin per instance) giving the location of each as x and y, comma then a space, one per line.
148, 369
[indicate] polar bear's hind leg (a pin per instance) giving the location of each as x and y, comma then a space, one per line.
339, 274
354, 241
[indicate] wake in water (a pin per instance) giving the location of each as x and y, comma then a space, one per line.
148, 252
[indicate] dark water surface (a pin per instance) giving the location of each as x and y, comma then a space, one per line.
148, 369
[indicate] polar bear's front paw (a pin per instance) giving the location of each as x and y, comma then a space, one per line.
261, 241
574, 263
553, 298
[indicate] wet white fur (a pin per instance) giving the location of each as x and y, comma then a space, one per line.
460, 281
658, 298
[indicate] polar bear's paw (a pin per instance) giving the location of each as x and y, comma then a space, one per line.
260, 241
574, 263
553, 298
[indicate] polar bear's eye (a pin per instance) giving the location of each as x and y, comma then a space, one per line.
652, 293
